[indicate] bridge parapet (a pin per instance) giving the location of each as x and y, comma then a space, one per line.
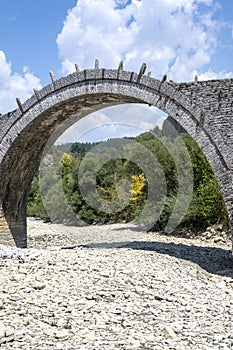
95, 78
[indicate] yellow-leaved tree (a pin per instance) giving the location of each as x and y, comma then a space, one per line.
138, 187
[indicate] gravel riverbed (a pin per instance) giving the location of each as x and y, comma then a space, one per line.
115, 287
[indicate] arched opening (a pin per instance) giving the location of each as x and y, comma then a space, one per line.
112, 126
151, 128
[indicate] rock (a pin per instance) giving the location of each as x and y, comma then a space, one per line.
97, 298
38, 285
89, 297
127, 295
62, 334
22, 312
169, 332
149, 338
135, 344
9, 332
2, 331
217, 239
91, 336
127, 324
6, 334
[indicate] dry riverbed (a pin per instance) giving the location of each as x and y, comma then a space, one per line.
115, 287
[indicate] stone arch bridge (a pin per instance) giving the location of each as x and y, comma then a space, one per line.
204, 109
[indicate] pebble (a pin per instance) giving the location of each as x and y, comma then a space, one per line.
62, 334
169, 332
2, 331
38, 285
115, 287
7, 334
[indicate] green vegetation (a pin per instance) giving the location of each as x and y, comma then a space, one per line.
123, 183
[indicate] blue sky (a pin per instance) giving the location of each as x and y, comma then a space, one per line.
28, 32
179, 38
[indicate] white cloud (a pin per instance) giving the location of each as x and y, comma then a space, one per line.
14, 85
94, 28
174, 37
209, 75
119, 121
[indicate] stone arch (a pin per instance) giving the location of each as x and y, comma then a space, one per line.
25, 131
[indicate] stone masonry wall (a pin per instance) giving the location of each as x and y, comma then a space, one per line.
204, 109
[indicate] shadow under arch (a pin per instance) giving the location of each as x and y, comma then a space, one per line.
25, 132
214, 260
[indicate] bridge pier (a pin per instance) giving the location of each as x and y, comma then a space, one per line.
17, 222
18, 228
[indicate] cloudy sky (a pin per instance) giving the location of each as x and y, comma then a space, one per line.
179, 38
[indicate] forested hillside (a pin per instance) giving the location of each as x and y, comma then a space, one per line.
122, 181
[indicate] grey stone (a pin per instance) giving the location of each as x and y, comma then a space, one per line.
62, 334
194, 312
9, 332
169, 332
38, 285
2, 331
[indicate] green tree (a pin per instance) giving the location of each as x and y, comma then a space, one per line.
113, 179
35, 206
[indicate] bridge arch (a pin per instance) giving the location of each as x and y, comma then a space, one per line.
26, 131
